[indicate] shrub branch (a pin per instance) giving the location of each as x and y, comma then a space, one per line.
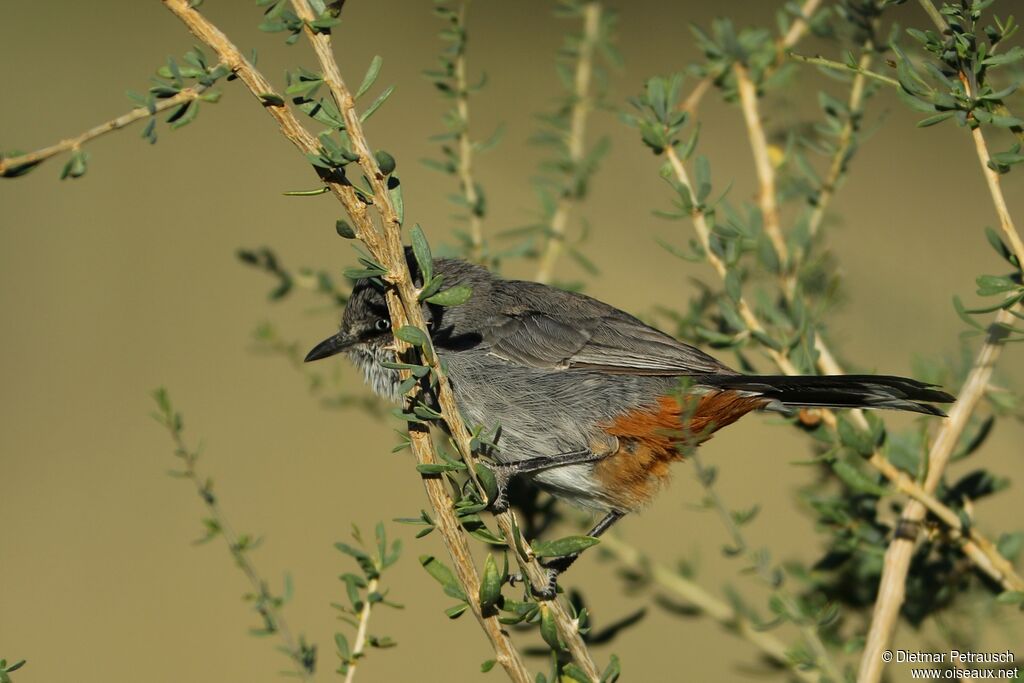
15, 164
797, 30
976, 546
767, 196
892, 586
388, 250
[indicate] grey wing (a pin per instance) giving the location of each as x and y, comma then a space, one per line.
616, 343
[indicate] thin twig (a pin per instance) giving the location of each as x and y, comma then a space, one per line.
837, 167
14, 163
842, 66
581, 106
797, 30
708, 604
808, 628
465, 167
389, 251
364, 622
264, 602
767, 195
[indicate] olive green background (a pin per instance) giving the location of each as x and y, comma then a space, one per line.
126, 279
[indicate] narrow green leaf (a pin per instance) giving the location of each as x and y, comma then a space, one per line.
371, 76
453, 296
377, 103
490, 584
412, 335
421, 250
563, 546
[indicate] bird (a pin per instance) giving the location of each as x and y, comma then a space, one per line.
586, 401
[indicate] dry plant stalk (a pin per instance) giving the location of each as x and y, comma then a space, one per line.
409, 300
978, 548
385, 245
892, 586
364, 621
388, 250
767, 196
8, 164
577, 137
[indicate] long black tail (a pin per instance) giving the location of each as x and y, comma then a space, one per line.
839, 391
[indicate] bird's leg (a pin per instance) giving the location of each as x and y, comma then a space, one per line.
556, 566
504, 471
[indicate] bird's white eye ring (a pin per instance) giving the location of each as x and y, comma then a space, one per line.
382, 325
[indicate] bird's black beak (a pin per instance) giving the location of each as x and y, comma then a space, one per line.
330, 346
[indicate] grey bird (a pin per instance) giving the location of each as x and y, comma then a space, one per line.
587, 397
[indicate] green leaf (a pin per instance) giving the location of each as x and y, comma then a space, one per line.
1010, 598
344, 229
376, 103
395, 193
853, 477
487, 480
76, 165
548, 630
412, 335
421, 250
453, 296
571, 672
270, 99
443, 575
431, 287
385, 162
938, 118
490, 585
563, 546
487, 665
439, 467
612, 671
371, 76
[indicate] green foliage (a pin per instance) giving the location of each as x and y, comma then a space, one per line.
7, 669
364, 593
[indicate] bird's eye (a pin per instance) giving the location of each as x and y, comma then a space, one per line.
382, 325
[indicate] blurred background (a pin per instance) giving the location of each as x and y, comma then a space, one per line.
127, 279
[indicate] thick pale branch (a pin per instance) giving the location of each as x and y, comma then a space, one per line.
892, 587
14, 163
446, 523
581, 106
